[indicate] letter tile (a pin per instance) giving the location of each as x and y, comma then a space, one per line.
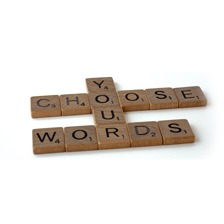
75, 104
176, 132
101, 84
108, 99
161, 98
108, 115
45, 106
80, 138
113, 136
48, 140
133, 100
144, 134
190, 97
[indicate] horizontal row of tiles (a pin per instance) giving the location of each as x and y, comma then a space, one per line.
138, 134
129, 100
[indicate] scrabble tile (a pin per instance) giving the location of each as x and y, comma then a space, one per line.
108, 115
190, 96
45, 106
161, 98
48, 140
176, 132
133, 100
80, 138
108, 99
144, 134
74, 104
113, 136
102, 84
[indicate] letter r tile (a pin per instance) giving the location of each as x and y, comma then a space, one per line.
190, 97
144, 134
80, 138
48, 140
176, 132
113, 136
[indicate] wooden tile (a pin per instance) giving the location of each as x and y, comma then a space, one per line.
101, 84
74, 104
45, 106
108, 115
144, 134
48, 140
190, 96
133, 100
108, 99
113, 136
80, 138
161, 98
176, 132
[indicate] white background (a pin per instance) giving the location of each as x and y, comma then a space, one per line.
50, 47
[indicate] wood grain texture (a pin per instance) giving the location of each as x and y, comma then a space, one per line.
161, 98
75, 104
45, 106
144, 134
133, 100
108, 99
191, 96
113, 136
101, 84
176, 132
48, 140
80, 138
108, 115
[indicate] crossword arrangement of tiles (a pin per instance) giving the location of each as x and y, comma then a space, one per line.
108, 106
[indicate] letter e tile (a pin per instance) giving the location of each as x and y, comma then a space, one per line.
190, 97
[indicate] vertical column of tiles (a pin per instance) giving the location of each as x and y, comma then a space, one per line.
102, 92
144, 134
176, 132
133, 100
113, 136
190, 97
74, 104
80, 138
104, 101
161, 98
48, 140
45, 106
